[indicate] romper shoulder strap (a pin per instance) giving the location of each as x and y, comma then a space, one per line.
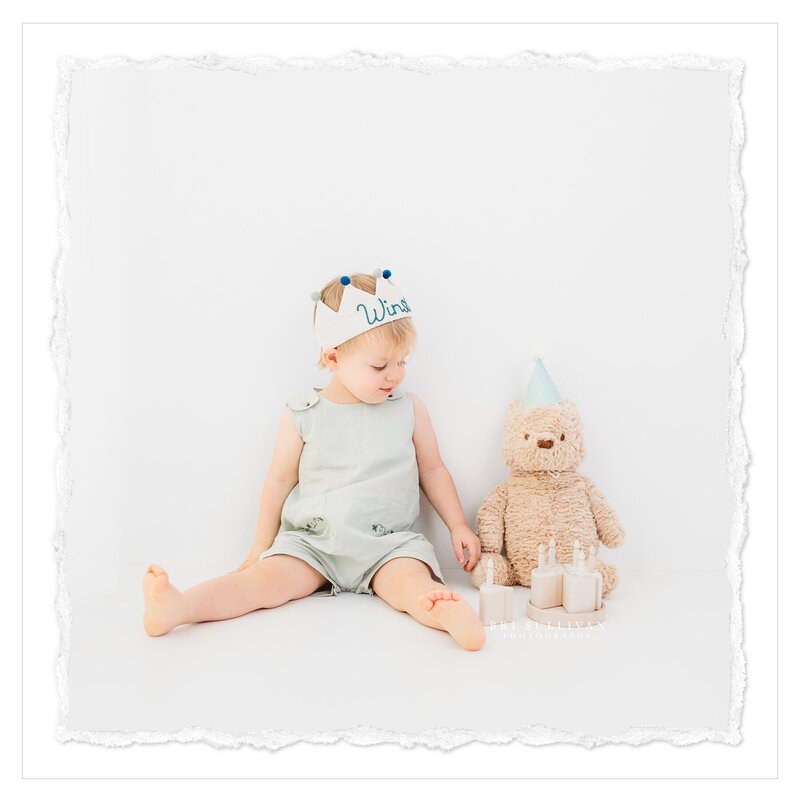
304, 400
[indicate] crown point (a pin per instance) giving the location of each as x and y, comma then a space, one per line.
386, 273
316, 296
344, 280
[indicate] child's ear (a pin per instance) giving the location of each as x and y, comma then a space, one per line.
330, 357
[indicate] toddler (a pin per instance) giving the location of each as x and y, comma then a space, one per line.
342, 492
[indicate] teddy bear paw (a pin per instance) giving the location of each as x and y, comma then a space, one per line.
614, 538
503, 572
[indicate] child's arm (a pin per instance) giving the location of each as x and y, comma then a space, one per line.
282, 477
437, 483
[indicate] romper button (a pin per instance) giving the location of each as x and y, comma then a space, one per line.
308, 404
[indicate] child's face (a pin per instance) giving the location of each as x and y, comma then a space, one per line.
371, 372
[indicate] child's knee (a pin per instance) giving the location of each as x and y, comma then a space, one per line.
281, 578
267, 582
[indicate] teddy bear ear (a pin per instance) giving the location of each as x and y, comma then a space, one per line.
513, 415
571, 411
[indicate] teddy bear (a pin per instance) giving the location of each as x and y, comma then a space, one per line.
544, 497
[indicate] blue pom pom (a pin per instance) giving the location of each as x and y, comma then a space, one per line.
316, 296
387, 273
344, 280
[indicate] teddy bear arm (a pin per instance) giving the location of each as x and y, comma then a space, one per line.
609, 530
491, 524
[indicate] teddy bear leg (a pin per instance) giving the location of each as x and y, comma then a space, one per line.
610, 576
503, 571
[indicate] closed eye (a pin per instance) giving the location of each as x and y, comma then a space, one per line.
402, 364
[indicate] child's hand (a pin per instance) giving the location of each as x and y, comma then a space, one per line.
249, 561
462, 536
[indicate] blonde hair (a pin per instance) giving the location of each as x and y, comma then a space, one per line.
397, 333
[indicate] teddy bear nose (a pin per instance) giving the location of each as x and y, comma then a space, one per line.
545, 443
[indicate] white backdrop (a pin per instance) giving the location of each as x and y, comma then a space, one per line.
755, 42
583, 212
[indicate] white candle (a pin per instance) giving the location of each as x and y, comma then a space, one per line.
582, 589
496, 603
547, 586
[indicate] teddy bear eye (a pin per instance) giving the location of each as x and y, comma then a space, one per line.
562, 437
527, 435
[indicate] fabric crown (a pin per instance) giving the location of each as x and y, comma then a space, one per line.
359, 311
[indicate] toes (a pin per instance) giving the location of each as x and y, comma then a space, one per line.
446, 594
427, 601
155, 579
155, 571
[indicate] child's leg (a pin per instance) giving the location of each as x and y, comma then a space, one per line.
269, 582
406, 585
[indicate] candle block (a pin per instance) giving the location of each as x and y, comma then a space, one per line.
496, 602
566, 594
547, 584
582, 591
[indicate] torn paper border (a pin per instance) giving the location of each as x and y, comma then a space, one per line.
738, 454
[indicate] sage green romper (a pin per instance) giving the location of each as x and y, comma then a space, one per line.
358, 492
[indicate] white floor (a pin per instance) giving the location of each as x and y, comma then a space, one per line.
329, 663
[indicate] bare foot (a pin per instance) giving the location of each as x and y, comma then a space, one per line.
162, 602
456, 616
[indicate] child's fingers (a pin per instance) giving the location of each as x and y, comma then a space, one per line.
474, 554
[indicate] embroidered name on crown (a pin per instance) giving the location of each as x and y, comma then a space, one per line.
381, 307
391, 310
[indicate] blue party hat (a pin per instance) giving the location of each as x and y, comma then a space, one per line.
541, 389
